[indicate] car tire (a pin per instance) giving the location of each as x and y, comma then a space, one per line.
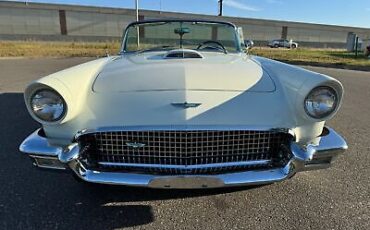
294, 46
276, 46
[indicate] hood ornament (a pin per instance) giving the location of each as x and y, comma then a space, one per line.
135, 145
186, 105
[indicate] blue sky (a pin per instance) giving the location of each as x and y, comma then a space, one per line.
334, 12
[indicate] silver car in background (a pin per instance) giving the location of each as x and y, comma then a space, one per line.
282, 43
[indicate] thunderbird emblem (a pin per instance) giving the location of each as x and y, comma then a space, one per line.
186, 105
135, 145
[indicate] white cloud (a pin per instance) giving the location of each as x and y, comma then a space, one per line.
241, 6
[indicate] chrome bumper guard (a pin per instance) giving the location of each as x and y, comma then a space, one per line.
306, 158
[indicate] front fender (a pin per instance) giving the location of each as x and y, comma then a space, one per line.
296, 83
73, 84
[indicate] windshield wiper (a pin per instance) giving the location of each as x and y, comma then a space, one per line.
157, 48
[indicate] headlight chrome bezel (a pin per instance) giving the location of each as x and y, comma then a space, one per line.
327, 113
40, 119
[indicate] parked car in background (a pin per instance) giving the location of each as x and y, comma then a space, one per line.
282, 43
249, 43
181, 107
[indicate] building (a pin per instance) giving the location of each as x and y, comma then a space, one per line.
20, 21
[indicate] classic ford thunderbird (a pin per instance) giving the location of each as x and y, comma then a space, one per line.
183, 106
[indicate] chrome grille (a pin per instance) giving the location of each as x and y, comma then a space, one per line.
184, 152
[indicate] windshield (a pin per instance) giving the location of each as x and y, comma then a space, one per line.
205, 36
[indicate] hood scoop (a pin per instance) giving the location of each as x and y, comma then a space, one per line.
182, 54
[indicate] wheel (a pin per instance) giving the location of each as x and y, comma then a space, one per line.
294, 46
276, 46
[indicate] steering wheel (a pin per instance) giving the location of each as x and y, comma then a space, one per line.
213, 45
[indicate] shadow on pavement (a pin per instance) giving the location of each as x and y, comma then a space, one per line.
38, 199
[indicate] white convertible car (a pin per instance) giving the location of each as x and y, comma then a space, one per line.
183, 106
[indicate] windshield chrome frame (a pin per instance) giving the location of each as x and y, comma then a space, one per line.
239, 48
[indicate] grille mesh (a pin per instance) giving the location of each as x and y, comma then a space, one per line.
183, 148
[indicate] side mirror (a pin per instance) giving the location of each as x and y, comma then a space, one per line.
248, 44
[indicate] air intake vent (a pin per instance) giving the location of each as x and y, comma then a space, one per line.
183, 53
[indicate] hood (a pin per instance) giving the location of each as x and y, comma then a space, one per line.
152, 71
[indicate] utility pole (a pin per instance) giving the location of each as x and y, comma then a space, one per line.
137, 19
137, 9
356, 47
220, 5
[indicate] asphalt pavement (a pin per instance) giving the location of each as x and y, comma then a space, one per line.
336, 198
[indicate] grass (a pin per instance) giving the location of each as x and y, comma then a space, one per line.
301, 56
316, 57
57, 49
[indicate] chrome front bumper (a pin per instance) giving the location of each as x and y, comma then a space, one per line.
306, 158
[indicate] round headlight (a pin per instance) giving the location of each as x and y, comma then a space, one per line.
48, 105
321, 102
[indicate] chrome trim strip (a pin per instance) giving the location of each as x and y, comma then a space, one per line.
183, 128
44, 157
185, 105
200, 166
49, 167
